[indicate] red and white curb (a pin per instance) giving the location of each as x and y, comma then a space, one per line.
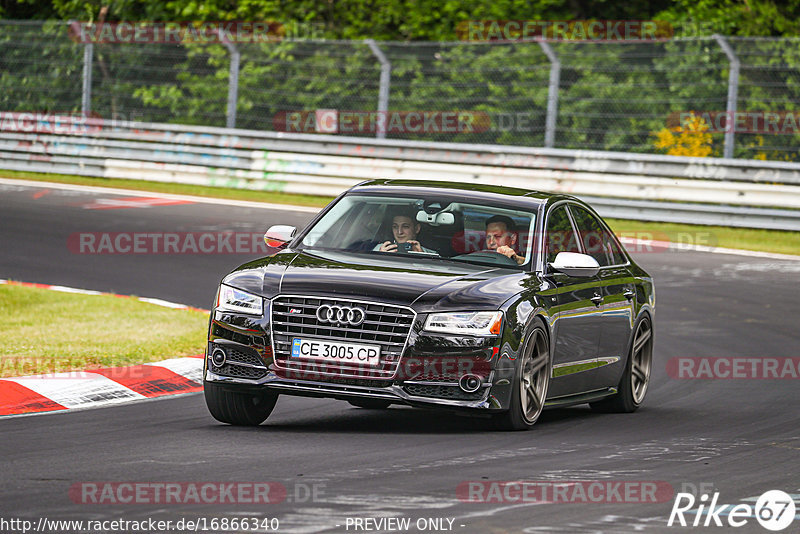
104, 386
100, 387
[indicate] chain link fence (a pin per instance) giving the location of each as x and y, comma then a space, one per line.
576, 95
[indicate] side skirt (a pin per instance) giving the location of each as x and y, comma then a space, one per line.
580, 398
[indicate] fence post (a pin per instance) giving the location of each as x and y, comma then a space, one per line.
552, 94
733, 93
86, 94
233, 82
383, 90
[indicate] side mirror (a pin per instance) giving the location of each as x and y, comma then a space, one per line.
278, 236
574, 264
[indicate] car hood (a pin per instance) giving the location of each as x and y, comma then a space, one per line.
424, 284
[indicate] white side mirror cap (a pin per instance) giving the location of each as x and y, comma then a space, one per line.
278, 235
574, 264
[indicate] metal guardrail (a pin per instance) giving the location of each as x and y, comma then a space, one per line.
730, 192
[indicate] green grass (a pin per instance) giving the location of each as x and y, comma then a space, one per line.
715, 236
176, 189
45, 331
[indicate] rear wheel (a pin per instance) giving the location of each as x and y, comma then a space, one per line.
530, 384
370, 404
633, 386
234, 408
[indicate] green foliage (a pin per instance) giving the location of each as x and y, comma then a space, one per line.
434, 20
745, 18
40, 69
612, 96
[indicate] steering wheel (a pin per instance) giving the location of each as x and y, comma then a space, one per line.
362, 245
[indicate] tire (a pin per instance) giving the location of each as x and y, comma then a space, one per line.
241, 409
531, 382
633, 386
370, 404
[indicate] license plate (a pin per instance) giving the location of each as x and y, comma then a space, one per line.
334, 351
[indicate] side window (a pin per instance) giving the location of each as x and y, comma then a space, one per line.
616, 251
560, 237
597, 241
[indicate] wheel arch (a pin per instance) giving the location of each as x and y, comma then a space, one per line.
644, 311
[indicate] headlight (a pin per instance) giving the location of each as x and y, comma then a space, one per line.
236, 300
470, 323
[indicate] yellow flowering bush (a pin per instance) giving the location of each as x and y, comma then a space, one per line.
688, 139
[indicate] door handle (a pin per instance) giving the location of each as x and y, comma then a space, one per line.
629, 294
597, 299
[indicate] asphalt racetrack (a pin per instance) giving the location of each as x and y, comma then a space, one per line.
337, 463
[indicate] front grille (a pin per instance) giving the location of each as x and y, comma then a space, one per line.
384, 324
441, 392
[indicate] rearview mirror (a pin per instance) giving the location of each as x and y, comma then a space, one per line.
574, 264
278, 236
436, 219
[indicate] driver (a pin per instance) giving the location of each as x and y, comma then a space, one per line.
405, 229
501, 236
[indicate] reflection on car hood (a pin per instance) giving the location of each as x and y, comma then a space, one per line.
403, 280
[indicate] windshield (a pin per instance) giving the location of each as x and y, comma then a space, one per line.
435, 227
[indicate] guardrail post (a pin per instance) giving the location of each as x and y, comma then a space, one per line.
86, 94
383, 90
733, 91
552, 94
233, 83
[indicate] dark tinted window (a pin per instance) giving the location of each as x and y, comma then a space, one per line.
560, 235
597, 241
443, 226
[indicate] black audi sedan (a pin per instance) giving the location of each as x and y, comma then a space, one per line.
489, 300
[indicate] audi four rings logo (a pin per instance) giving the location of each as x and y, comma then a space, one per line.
340, 314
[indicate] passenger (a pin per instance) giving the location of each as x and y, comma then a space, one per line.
501, 236
405, 229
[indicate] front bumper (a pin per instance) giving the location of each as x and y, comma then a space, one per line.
425, 373
396, 392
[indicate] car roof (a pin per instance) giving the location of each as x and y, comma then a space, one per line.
472, 191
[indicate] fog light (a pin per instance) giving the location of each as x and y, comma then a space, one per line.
469, 383
218, 357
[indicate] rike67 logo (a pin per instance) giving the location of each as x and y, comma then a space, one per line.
774, 510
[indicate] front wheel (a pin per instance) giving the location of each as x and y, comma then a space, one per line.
633, 385
234, 408
530, 384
